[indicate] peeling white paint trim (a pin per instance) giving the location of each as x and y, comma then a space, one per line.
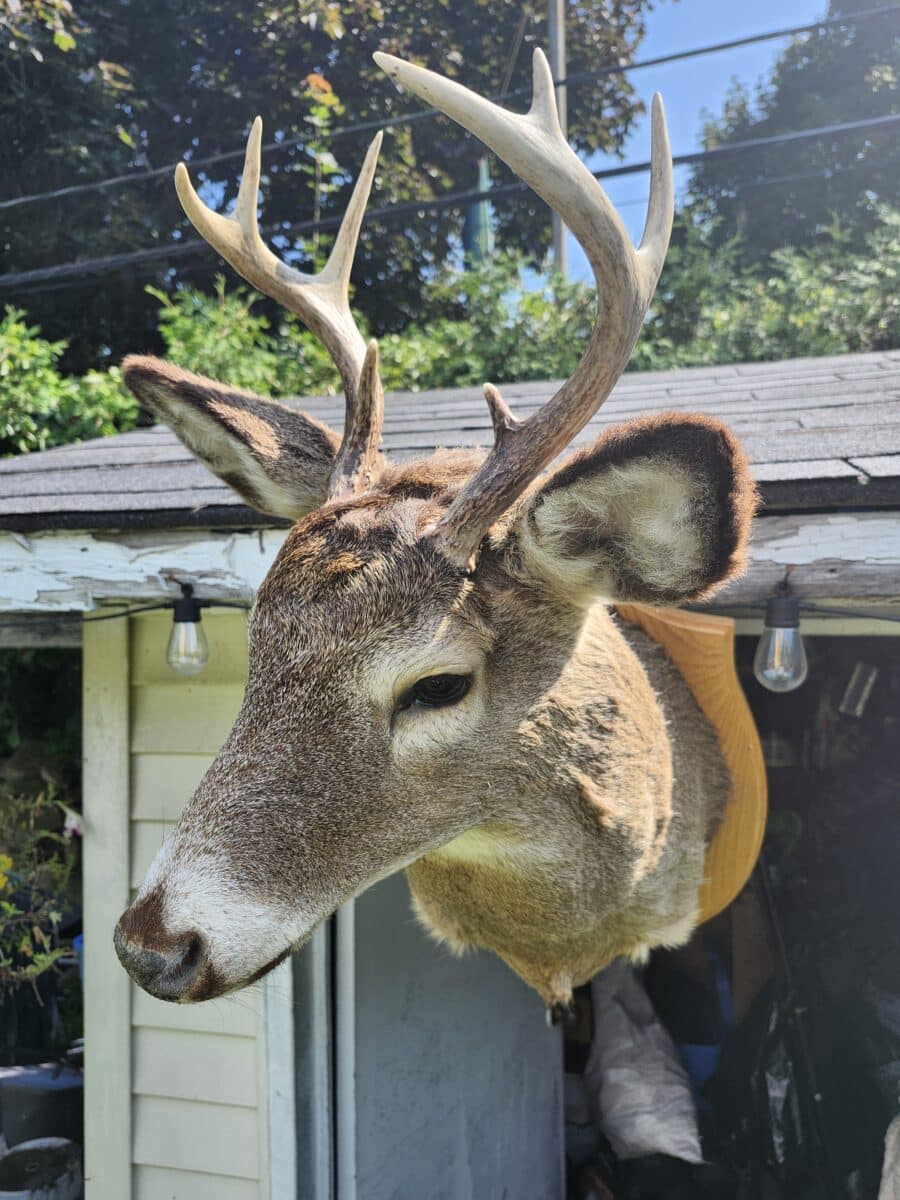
849, 555
871, 536
72, 572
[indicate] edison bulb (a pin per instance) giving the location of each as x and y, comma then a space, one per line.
780, 661
188, 649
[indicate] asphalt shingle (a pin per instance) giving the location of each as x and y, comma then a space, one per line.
819, 432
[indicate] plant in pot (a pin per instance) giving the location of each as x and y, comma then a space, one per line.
38, 862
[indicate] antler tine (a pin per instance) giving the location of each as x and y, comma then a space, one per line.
321, 301
533, 145
353, 465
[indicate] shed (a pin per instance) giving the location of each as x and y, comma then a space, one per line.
371, 1065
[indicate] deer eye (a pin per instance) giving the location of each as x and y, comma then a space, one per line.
436, 691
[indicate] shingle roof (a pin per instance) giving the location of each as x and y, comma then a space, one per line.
821, 432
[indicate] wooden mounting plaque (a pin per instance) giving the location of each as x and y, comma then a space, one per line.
702, 648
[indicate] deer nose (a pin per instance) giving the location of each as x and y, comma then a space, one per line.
168, 969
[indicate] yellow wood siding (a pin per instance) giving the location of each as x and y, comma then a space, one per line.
212, 1139
194, 1072
162, 1183
187, 1065
182, 718
234, 1016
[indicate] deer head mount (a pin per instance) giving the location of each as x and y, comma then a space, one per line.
435, 680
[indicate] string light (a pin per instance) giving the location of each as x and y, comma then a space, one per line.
780, 662
187, 651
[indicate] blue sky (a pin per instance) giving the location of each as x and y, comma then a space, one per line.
693, 85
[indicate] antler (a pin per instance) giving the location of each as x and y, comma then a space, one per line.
321, 301
533, 145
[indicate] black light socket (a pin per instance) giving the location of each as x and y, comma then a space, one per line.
782, 612
187, 609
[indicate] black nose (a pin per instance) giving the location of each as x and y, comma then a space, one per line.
167, 970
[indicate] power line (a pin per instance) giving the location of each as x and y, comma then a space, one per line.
734, 44
73, 277
114, 181
176, 250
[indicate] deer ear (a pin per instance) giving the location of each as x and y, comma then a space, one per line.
657, 511
277, 459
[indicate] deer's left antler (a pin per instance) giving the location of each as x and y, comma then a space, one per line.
321, 301
533, 145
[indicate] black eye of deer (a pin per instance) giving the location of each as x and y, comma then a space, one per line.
436, 691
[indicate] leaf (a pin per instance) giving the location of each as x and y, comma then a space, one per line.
125, 136
317, 82
63, 41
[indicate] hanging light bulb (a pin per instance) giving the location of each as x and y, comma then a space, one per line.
780, 660
188, 649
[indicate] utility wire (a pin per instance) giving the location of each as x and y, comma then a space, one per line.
160, 252
114, 181
179, 249
734, 44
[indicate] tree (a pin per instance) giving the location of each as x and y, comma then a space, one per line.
785, 195
40, 406
828, 298
191, 79
483, 324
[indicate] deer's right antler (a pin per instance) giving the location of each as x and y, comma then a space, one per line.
533, 145
321, 301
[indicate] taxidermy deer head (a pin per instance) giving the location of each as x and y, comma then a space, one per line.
436, 679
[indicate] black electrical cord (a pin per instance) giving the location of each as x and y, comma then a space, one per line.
77, 269
847, 612
809, 606
426, 114
804, 605
130, 612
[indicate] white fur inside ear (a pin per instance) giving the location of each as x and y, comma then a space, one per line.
227, 457
643, 513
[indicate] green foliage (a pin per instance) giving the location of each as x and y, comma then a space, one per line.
40, 764
784, 195
40, 702
20, 20
496, 322
323, 172
483, 324
220, 336
193, 76
36, 868
826, 299
40, 406
500, 322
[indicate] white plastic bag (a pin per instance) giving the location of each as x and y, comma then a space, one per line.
640, 1091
